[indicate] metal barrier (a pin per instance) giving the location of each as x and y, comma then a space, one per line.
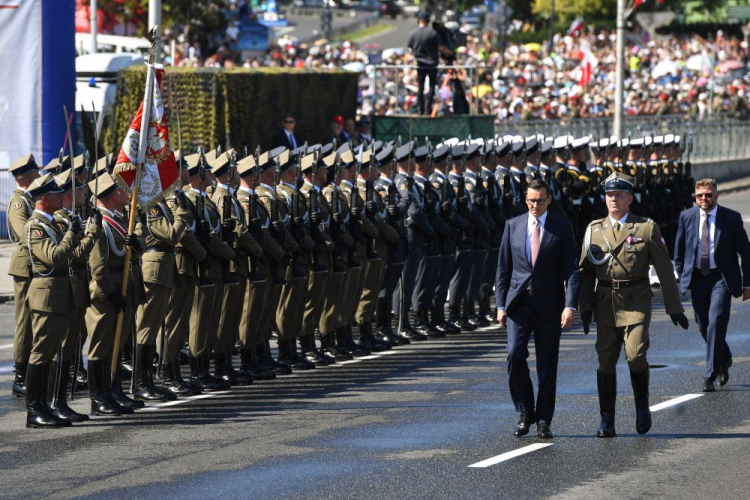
386, 70
7, 185
716, 138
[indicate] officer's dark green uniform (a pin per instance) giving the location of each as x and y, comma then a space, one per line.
614, 270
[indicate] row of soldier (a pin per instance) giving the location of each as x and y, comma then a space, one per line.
301, 244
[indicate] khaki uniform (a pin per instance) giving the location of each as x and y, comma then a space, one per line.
623, 314
50, 297
266, 195
206, 310
20, 207
188, 254
79, 282
375, 269
233, 296
294, 294
106, 263
330, 318
255, 302
162, 231
316, 286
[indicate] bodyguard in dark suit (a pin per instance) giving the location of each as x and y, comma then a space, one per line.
287, 137
536, 290
709, 239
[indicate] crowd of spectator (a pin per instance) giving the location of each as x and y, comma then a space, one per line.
528, 81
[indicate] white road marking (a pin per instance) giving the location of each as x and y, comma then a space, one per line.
5, 346
6, 369
510, 454
675, 401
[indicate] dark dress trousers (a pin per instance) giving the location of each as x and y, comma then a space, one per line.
534, 299
712, 294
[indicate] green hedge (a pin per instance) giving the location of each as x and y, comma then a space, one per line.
239, 107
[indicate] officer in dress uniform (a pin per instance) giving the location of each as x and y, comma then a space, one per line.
256, 308
106, 263
494, 213
49, 296
24, 170
245, 247
447, 196
190, 252
79, 282
615, 291
290, 311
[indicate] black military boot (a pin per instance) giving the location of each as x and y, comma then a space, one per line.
478, 321
373, 341
607, 385
60, 407
485, 307
405, 330
170, 382
281, 367
143, 387
388, 336
452, 328
298, 362
19, 382
423, 326
309, 353
437, 321
235, 377
314, 337
345, 341
127, 358
37, 414
214, 383
120, 397
383, 316
49, 389
466, 324
109, 391
640, 392
196, 373
100, 405
328, 343
249, 366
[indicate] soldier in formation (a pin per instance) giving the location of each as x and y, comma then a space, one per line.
334, 251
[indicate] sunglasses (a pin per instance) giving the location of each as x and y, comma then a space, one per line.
708, 196
288, 121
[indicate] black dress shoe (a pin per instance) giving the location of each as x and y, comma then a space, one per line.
543, 431
607, 426
524, 424
723, 377
709, 385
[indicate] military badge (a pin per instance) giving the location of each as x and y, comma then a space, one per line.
633, 239
61, 225
153, 211
38, 233
17, 205
171, 204
470, 186
246, 206
436, 184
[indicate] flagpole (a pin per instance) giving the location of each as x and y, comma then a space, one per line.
142, 144
618, 126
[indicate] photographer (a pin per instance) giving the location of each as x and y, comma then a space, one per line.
425, 44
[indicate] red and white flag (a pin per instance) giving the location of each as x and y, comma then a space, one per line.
588, 61
576, 27
159, 174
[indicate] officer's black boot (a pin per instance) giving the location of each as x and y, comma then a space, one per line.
100, 405
37, 415
345, 341
437, 321
309, 353
607, 385
466, 323
170, 381
214, 383
405, 330
298, 362
374, 341
196, 373
80, 374
328, 343
388, 336
454, 317
383, 317
452, 328
120, 397
127, 357
109, 392
281, 367
640, 392
250, 366
50, 376
235, 377
143, 388
19, 382
486, 306
477, 320
60, 407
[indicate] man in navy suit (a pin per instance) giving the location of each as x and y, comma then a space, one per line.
536, 290
709, 239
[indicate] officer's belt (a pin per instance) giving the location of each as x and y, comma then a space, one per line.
115, 269
78, 267
616, 285
57, 273
160, 248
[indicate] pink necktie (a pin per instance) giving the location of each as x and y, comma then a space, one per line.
535, 237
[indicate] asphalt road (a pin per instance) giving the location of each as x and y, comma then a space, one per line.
408, 424
304, 26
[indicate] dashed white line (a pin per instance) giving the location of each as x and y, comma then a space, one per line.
5, 346
675, 401
510, 454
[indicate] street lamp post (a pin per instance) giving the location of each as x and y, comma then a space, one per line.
618, 127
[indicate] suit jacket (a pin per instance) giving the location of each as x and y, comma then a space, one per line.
281, 139
554, 277
730, 240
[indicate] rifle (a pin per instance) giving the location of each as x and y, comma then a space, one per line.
200, 206
227, 236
